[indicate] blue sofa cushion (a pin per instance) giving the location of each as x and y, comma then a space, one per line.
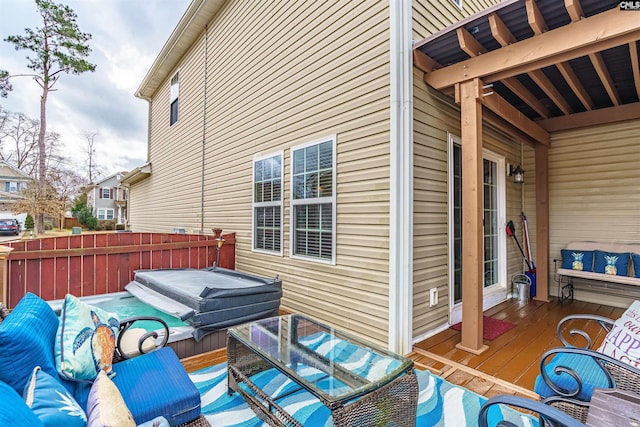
636, 265
587, 369
26, 339
611, 263
51, 402
152, 385
13, 410
577, 260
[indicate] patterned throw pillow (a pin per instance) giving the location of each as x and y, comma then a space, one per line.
105, 405
51, 402
577, 260
623, 341
85, 341
611, 263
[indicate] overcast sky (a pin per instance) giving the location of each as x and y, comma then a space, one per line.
127, 35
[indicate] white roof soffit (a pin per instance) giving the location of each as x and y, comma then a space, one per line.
191, 26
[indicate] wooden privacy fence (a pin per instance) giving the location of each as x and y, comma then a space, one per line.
94, 264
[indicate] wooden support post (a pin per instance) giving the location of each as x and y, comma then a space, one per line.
469, 95
542, 222
4, 272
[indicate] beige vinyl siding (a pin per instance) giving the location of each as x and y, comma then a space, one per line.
434, 116
281, 74
431, 16
594, 185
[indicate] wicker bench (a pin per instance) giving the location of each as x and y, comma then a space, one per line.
567, 276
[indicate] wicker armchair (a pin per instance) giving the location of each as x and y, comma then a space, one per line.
548, 415
569, 374
133, 342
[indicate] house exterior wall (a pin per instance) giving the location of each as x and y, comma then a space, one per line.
593, 185
436, 115
319, 69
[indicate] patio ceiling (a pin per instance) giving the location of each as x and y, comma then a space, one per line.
544, 65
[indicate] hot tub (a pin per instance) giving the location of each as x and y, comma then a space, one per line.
198, 305
181, 338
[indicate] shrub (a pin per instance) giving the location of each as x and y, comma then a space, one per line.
119, 226
86, 218
28, 222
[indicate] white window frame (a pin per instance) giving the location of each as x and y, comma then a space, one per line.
14, 186
102, 192
255, 204
174, 95
104, 216
318, 200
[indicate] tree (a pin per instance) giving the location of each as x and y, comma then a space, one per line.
5, 85
93, 170
59, 48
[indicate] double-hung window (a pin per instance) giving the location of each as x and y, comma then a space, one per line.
106, 193
267, 204
173, 99
105, 214
313, 201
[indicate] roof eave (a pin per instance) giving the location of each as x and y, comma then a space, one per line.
196, 17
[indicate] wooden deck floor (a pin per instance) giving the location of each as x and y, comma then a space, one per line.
509, 366
513, 357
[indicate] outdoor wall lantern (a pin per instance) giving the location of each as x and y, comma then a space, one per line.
517, 174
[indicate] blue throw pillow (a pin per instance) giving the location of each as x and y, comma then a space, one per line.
13, 410
51, 402
636, 265
577, 260
26, 339
611, 263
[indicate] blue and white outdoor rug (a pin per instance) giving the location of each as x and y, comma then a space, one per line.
440, 403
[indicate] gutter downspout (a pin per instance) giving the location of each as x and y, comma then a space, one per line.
204, 125
401, 179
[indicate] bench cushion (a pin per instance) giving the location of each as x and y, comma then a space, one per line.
156, 384
14, 411
587, 369
636, 264
625, 280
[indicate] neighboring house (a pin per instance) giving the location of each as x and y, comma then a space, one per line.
12, 182
109, 198
377, 185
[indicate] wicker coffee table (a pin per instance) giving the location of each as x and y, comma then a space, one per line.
362, 384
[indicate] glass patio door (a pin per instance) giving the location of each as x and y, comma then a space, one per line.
494, 242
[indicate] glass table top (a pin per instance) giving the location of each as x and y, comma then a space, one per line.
326, 361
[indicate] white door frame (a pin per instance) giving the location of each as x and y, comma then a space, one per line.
496, 293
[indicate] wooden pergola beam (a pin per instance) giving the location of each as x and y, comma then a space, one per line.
596, 33
468, 43
600, 116
505, 126
575, 9
534, 16
633, 51
605, 77
574, 83
501, 33
503, 108
552, 92
424, 62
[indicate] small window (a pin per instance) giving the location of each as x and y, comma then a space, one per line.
106, 193
109, 213
313, 200
102, 214
173, 100
267, 204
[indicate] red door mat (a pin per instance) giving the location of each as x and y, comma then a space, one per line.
491, 328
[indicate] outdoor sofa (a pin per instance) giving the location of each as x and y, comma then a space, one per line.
151, 385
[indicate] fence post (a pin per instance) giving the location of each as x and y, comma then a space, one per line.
4, 271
